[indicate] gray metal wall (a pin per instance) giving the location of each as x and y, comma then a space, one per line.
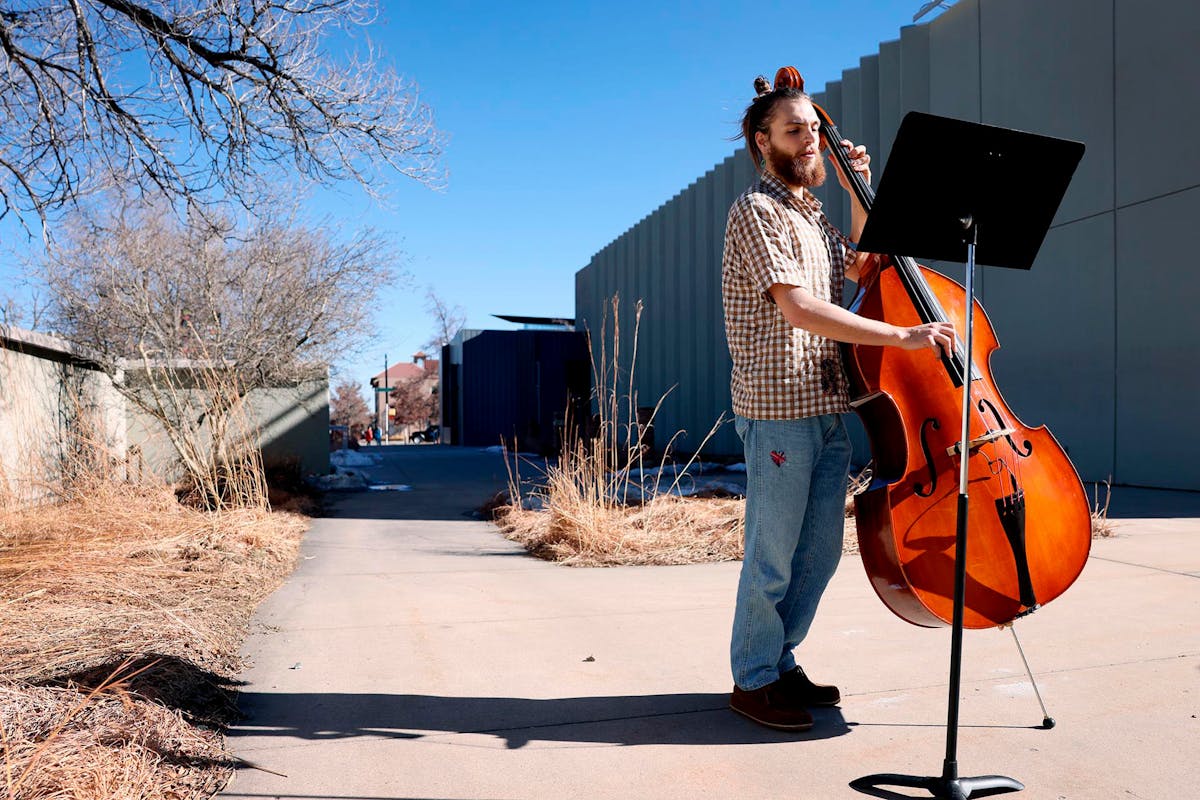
1098, 341
671, 261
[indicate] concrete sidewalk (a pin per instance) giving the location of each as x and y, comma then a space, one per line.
417, 654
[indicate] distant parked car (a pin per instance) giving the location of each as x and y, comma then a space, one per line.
430, 434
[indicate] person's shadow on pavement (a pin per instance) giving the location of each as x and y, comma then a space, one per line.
682, 719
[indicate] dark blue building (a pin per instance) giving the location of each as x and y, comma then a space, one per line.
518, 387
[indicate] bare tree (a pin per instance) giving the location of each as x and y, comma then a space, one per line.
347, 406
27, 311
447, 321
189, 317
415, 400
194, 100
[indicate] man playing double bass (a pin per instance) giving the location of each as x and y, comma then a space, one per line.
782, 274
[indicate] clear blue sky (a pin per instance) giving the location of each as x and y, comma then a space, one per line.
567, 123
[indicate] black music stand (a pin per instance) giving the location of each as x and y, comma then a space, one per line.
960, 191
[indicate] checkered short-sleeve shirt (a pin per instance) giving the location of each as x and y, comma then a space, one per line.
780, 371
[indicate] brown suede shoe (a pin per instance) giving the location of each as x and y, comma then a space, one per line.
800, 690
771, 706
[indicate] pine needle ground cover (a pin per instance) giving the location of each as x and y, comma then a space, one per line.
122, 614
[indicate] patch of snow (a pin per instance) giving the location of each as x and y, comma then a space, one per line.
340, 480
534, 502
496, 448
353, 458
708, 485
695, 468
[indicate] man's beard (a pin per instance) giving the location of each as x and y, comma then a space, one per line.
796, 171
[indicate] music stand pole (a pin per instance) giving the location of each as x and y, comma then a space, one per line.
949, 785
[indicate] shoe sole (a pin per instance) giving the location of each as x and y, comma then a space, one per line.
803, 726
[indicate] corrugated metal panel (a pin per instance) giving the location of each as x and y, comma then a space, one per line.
914, 63
890, 102
832, 195
850, 123
679, 289
868, 103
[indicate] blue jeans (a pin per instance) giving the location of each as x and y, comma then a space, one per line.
795, 508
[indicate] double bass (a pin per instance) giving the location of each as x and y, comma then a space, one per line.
1029, 522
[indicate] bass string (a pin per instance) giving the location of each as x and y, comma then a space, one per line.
929, 309
1003, 460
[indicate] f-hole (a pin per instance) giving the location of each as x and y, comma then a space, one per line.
919, 488
1026, 448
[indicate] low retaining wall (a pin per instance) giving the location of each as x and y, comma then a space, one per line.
54, 401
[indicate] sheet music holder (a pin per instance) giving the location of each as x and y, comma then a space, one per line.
961, 191
942, 170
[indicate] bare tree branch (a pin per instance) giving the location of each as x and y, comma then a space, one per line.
198, 101
447, 321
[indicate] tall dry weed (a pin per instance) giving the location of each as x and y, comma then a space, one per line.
199, 407
597, 507
1102, 526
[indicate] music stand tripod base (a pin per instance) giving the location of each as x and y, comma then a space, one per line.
943, 787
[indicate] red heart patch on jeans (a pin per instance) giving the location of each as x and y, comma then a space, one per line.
778, 458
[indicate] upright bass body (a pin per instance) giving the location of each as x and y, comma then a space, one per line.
1029, 522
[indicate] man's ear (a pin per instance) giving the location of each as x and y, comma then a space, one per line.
762, 140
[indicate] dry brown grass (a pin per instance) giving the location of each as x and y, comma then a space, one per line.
594, 515
107, 743
1102, 526
115, 580
666, 530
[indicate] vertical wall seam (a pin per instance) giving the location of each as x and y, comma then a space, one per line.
1116, 253
979, 54
979, 278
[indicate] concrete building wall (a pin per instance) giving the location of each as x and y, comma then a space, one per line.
1097, 340
52, 399
50, 403
289, 423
